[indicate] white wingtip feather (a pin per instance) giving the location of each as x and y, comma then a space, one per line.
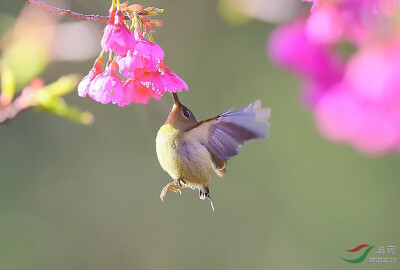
263, 115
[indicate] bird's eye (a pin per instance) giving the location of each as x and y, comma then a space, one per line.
186, 114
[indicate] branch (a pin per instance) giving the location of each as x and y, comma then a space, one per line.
66, 12
10, 112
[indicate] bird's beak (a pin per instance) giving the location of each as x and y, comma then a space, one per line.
176, 100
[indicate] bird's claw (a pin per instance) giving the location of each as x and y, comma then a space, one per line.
170, 187
176, 190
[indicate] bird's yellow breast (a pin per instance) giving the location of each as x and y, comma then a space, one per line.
183, 156
167, 145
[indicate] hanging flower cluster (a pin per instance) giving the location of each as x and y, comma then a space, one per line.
348, 55
135, 71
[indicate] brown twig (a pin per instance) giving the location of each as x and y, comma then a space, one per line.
10, 112
66, 12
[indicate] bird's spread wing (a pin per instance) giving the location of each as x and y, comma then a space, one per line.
226, 133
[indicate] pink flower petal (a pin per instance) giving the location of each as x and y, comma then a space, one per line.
171, 81
107, 86
117, 37
84, 85
127, 95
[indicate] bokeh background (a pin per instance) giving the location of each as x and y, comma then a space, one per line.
87, 197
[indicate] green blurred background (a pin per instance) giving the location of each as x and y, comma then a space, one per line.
87, 197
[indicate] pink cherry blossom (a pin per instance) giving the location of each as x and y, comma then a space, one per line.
355, 99
291, 47
322, 26
352, 20
386, 8
171, 81
364, 108
84, 85
151, 85
117, 37
371, 127
107, 86
382, 7
139, 60
127, 93
145, 55
317, 64
140, 90
141, 93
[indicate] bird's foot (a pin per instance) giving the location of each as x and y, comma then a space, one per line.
170, 187
205, 193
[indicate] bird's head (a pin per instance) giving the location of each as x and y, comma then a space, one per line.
180, 116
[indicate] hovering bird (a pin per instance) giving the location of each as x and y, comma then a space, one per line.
189, 150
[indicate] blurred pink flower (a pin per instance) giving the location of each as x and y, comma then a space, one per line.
107, 86
364, 109
84, 85
352, 20
370, 127
117, 37
383, 7
317, 64
356, 99
323, 27
386, 8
